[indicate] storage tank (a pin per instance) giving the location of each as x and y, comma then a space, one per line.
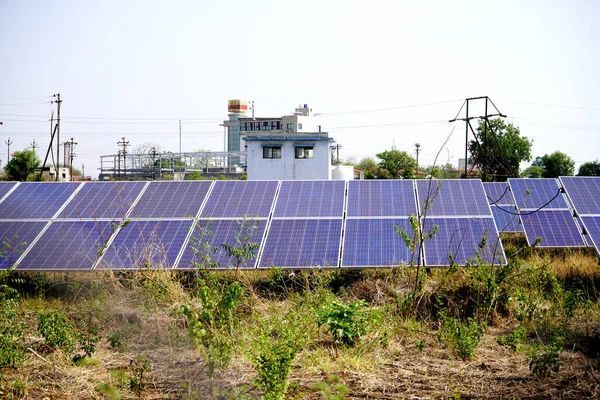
342, 172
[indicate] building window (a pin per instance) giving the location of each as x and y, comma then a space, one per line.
271, 152
304, 152
299, 126
290, 127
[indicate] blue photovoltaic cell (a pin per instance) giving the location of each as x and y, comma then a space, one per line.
234, 199
310, 199
217, 233
146, 244
5, 188
15, 237
171, 199
36, 199
455, 197
498, 193
374, 243
557, 228
584, 192
103, 200
381, 198
592, 226
461, 238
292, 243
535, 193
68, 245
506, 222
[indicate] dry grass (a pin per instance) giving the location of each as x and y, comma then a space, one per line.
146, 308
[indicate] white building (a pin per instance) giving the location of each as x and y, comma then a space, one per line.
289, 155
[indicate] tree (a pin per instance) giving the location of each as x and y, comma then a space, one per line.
591, 168
368, 166
22, 165
398, 163
557, 164
498, 151
147, 148
534, 171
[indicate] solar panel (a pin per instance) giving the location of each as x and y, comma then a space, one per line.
584, 193
36, 200
205, 248
15, 237
381, 198
171, 199
310, 199
462, 240
557, 228
454, 197
374, 243
498, 193
293, 243
505, 221
103, 200
533, 193
146, 244
68, 245
592, 227
5, 187
234, 199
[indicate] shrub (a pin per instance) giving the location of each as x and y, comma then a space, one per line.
347, 323
57, 330
543, 360
12, 344
514, 339
462, 337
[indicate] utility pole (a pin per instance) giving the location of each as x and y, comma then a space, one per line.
153, 154
484, 145
58, 102
8, 143
337, 151
124, 143
83, 170
418, 148
72, 145
65, 153
34, 145
180, 160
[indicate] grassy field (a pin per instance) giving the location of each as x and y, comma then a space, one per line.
527, 330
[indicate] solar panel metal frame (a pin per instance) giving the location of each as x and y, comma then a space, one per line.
82, 195
206, 213
436, 211
353, 210
498, 193
494, 242
137, 214
531, 238
35, 245
284, 220
282, 196
10, 187
545, 202
47, 213
573, 186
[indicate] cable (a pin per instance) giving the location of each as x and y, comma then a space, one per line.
24, 104
331, 114
551, 105
529, 212
501, 197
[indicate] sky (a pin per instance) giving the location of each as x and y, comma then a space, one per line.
380, 73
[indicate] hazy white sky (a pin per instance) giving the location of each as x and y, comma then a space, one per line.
133, 68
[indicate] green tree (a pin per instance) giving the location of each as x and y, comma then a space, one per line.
498, 151
558, 164
22, 165
591, 168
368, 166
534, 171
398, 163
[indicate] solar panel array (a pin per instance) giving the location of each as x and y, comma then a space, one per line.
584, 194
545, 215
503, 206
291, 224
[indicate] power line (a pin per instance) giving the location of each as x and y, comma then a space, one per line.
551, 105
331, 114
